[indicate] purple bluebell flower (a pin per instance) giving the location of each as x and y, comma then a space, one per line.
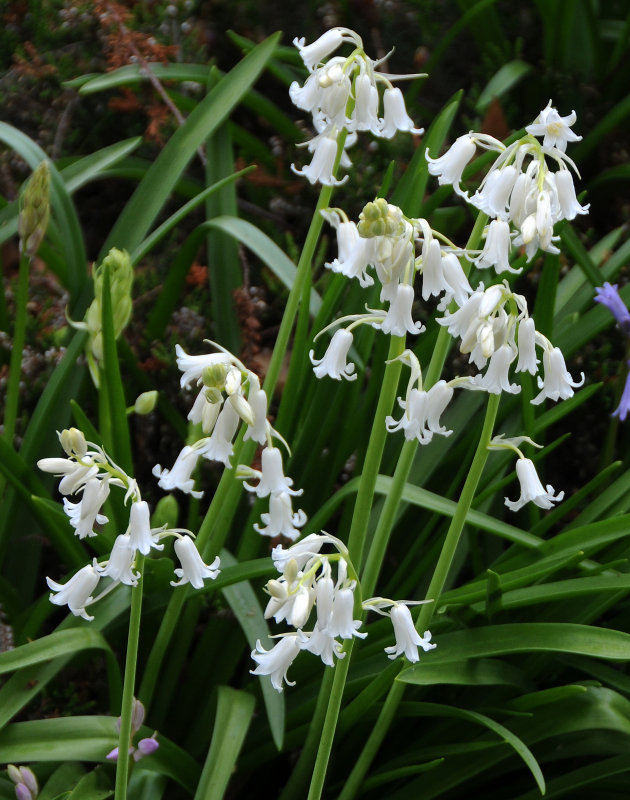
608, 295
624, 406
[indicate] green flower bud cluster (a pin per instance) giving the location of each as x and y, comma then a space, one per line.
380, 219
120, 270
34, 210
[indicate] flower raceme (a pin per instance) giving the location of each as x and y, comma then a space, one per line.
306, 583
342, 94
520, 190
89, 471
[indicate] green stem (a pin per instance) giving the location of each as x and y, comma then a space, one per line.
330, 698
433, 593
19, 336
378, 435
124, 740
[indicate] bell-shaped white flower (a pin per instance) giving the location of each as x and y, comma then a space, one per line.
301, 552
395, 117
407, 637
320, 170
219, 446
492, 198
205, 409
334, 361
192, 367
398, 320
119, 567
557, 382
141, 536
496, 251
496, 378
365, 114
353, 250
312, 54
276, 662
323, 644
193, 570
271, 478
76, 593
292, 601
422, 413
527, 361
567, 199
458, 287
179, 476
555, 129
85, 514
531, 488
433, 278
257, 399
449, 167
281, 521
73, 474
342, 622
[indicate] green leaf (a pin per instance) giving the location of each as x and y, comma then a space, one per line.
481, 672
96, 785
526, 637
60, 643
168, 224
244, 603
234, 714
151, 194
89, 739
519, 746
501, 82
134, 73
86, 169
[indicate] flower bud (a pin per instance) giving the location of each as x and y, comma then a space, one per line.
214, 375
146, 402
73, 442
34, 210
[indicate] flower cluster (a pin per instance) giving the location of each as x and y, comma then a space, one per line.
88, 471
26, 787
145, 746
228, 394
306, 583
522, 195
342, 94
495, 328
525, 198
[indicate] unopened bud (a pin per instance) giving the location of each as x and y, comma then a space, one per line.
73, 442
233, 381
242, 408
380, 218
146, 747
34, 210
291, 571
146, 402
214, 375
276, 589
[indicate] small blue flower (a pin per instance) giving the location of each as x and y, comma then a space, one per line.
608, 295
